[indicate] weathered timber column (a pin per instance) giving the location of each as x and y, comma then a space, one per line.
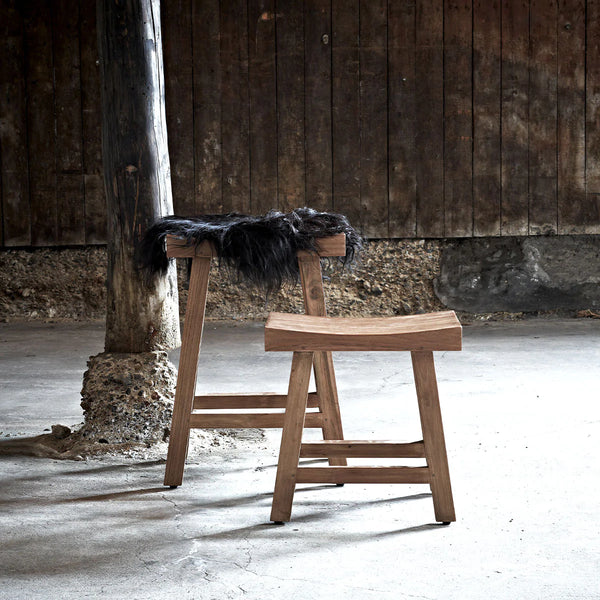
128, 390
141, 317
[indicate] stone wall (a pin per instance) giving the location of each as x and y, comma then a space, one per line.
520, 274
502, 276
394, 277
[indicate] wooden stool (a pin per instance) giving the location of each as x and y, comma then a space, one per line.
306, 335
324, 399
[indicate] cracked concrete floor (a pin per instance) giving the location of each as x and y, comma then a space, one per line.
522, 420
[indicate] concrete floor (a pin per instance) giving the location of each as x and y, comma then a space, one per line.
522, 420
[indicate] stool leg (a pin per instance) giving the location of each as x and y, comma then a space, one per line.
291, 437
186, 375
433, 435
314, 304
328, 401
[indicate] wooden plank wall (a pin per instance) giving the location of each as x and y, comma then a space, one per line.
416, 118
50, 156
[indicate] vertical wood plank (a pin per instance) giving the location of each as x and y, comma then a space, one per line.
542, 118
458, 131
290, 105
592, 150
373, 117
176, 18
486, 118
575, 215
93, 179
263, 109
346, 109
40, 122
234, 113
430, 123
317, 85
15, 228
402, 161
69, 133
207, 106
515, 101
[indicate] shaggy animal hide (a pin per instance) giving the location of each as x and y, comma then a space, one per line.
260, 250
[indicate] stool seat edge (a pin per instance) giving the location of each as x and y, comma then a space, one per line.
440, 331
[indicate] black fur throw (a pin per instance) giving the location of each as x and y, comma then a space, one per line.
260, 250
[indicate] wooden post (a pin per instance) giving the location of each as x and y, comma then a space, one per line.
141, 316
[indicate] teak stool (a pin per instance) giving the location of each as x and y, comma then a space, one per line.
307, 335
324, 399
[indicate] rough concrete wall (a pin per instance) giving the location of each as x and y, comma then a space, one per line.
475, 276
520, 274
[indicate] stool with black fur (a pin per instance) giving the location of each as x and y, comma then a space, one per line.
267, 252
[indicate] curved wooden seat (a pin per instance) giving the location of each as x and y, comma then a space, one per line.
305, 333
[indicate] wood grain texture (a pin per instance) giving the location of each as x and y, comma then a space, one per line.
263, 108
291, 437
317, 95
93, 181
433, 435
179, 101
207, 107
402, 156
458, 130
434, 331
235, 106
39, 66
487, 185
255, 400
362, 449
187, 371
373, 116
142, 315
592, 150
542, 118
515, 112
14, 158
373, 123
254, 420
311, 278
577, 213
291, 185
362, 475
69, 129
345, 97
429, 92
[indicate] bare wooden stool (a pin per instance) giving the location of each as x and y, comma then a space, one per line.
185, 415
418, 334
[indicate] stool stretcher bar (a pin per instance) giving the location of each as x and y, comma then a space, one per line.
266, 400
362, 449
313, 420
363, 475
